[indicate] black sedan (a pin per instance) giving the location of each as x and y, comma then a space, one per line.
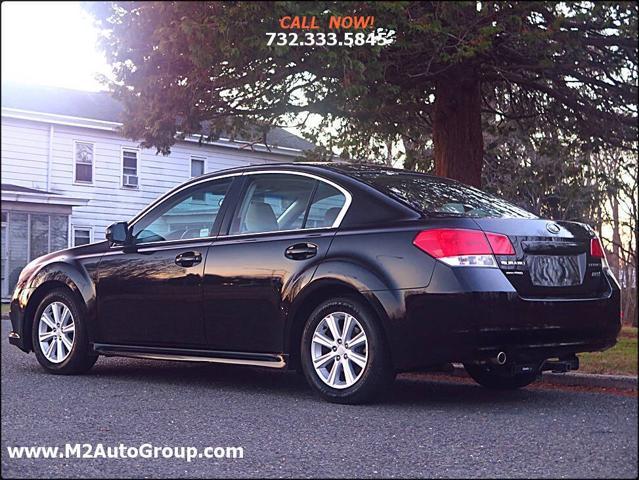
349, 273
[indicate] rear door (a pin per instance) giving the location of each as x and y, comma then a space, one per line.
552, 258
280, 231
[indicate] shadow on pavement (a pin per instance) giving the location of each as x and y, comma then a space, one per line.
405, 391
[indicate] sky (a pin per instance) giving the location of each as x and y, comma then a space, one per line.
50, 43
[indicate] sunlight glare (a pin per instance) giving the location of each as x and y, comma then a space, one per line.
50, 43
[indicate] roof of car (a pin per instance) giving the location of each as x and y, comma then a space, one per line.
341, 167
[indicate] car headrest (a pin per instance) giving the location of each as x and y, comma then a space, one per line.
331, 215
260, 218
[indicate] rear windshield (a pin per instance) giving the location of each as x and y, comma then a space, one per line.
439, 196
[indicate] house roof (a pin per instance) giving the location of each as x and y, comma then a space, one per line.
102, 106
8, 187
18, 193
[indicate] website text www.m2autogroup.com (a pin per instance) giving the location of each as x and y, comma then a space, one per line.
145, 450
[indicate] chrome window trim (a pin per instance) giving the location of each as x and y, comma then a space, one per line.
310, 231
348, 198
338, 220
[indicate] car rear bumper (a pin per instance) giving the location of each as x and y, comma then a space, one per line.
438, 327
529, 329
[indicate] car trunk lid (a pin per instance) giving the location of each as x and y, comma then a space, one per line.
552, 259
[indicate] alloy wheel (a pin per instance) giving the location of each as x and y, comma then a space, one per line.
56, 332
339, 350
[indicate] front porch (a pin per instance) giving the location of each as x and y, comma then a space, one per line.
34, 223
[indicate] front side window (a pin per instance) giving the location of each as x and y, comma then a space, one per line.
83, 162
130, 168
186, 215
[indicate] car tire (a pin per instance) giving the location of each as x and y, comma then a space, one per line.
60, 321
497, 378
352, 382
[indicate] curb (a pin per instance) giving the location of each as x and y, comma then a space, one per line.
620, 382
573, 379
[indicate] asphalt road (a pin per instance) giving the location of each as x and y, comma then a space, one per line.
424, 427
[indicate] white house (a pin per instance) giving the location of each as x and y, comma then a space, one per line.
67, 173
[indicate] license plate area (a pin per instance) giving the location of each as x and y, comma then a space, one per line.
554, 270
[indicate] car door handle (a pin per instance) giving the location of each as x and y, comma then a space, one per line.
188, 259
301, 251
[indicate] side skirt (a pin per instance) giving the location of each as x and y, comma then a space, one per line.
270, 360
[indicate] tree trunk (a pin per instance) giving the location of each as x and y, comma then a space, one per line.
616, 235
457, 135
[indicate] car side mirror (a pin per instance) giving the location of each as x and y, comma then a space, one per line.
118, 233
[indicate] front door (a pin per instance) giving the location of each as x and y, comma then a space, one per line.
279, 233
150, 291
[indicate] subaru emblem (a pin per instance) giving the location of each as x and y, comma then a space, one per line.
553, 227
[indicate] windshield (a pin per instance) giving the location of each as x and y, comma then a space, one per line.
439, 196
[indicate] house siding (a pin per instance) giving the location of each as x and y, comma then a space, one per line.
25, 150
25, 153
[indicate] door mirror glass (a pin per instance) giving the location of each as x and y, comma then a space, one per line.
118, 233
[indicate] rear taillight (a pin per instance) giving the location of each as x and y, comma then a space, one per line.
596, 250
500, 244
468, 248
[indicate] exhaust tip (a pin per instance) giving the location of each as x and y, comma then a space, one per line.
501, 358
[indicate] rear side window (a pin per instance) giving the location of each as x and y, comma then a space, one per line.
282, 202
274, 202
327, 204
439, 196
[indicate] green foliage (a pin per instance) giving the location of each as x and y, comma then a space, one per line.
559, 65
619, 360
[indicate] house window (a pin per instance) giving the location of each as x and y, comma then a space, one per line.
130, 168
26, 236
83, 162
197, 166
81, 236
197, 169
39, 229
